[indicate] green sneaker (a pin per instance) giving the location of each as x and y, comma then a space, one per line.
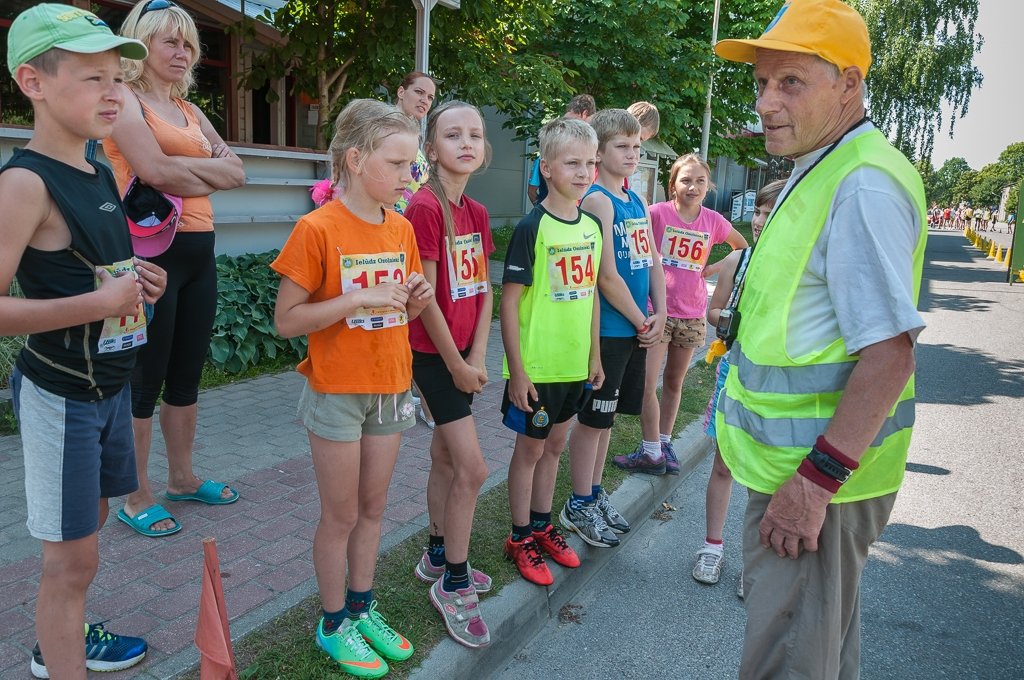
346, 646
382, 637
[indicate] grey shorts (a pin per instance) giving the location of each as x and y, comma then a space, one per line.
76, 452
685, 333
347, 417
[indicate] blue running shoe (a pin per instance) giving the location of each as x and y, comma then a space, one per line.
104, 651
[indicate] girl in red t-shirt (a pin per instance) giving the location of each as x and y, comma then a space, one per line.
351, 279
449, 343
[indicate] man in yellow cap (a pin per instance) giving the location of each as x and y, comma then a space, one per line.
816, 414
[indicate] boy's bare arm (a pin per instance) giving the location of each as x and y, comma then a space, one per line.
519, 384
29, 218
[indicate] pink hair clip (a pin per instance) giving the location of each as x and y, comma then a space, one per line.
322, 192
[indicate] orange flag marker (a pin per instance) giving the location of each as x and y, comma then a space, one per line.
213, 637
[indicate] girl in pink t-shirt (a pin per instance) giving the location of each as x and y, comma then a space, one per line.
449, 343
684, 231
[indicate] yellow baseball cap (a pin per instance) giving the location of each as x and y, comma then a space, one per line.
830, 29
49, 25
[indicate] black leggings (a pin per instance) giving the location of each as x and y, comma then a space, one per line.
179, 333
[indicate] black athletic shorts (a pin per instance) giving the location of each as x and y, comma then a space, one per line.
625, 366
447, 403
556, 403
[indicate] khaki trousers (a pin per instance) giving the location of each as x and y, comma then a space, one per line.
803, 615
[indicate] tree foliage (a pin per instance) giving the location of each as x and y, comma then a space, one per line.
361, 48
923, 56
659, 51
945, 178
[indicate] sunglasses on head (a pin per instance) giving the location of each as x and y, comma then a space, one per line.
154, 5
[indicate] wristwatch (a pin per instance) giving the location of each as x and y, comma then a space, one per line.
829, 466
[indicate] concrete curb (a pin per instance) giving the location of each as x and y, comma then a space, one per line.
521, 609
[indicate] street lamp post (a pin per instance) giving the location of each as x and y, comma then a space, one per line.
423, 8
705, 132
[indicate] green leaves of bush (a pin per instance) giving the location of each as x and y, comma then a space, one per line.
243, 330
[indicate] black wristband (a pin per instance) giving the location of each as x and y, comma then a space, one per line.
829, 466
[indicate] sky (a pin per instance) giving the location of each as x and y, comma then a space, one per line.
993, 120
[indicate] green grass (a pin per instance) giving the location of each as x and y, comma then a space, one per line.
501, 236
284, 649
722, 249
216, 377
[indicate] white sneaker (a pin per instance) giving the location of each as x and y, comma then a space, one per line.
708, 568
739, 586
423, 416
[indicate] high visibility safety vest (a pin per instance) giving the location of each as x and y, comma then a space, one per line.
773, 405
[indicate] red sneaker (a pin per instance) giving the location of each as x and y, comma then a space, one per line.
525, 554
553, 543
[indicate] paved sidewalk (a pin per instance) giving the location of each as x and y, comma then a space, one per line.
248, 435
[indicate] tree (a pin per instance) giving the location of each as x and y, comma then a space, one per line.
353, 48
988, 185
659, 50
945, 179
928, 178
961, 190
923, 56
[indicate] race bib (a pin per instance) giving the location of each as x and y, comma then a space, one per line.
571, 271
684, 248
367, 271
122, 332
639, 239
467, 267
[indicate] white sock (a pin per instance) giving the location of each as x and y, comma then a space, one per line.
717, 547
652, 449
665, 438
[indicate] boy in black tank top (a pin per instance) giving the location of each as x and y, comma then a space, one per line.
65, 236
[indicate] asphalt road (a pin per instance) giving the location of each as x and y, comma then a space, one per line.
943, 592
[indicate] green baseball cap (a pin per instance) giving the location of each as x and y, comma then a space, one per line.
48, 25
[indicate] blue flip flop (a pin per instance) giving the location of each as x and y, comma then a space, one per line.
209, 492
147, 518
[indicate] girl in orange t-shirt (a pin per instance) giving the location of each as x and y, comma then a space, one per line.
351, 280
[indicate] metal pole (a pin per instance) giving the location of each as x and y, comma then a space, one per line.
423, 8
705, 132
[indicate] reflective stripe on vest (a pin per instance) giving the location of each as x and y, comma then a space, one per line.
773, 405
801, 432
810, 379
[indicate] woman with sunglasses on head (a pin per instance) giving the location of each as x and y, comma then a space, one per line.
171, 145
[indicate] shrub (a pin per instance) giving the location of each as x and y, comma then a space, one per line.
243, 330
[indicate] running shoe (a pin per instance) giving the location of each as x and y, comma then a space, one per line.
104, 651
461, 613
615, 521
525, 554
384, 639
348, 648
708, 568
671, 462
589, 524
739, 586
428, 573
639, 461
553, 543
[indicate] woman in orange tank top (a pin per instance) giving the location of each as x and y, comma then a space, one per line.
170, 145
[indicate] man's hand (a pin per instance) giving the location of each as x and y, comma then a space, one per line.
794, 517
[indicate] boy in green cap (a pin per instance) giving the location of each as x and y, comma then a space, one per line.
65, 237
